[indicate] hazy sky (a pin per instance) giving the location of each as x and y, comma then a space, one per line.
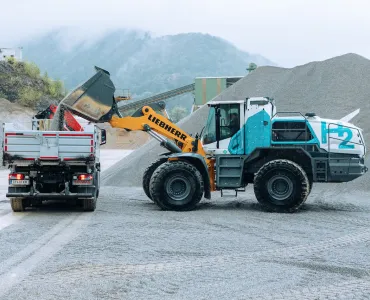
288, 32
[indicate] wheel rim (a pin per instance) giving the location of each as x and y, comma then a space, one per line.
178, 187
280, 187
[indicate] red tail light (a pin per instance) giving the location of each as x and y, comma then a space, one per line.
16, 176
85, 177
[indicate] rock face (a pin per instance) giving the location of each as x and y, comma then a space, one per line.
330, 88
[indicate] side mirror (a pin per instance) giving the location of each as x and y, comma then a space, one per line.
103, 138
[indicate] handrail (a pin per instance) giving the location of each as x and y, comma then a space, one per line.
343, 140
329, 138
292, 112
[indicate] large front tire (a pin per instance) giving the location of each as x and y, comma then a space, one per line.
176, 185
148, 175
281, 186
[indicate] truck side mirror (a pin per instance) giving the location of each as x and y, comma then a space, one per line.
103, 139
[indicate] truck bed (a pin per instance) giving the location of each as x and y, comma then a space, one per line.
48, 145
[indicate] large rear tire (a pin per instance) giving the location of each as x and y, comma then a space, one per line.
148, 175
176, 185
281, 186
17, 204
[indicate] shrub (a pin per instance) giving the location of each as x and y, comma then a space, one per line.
54, 88
29, 97
32, 70
11, 60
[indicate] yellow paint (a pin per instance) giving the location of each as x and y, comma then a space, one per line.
138, 123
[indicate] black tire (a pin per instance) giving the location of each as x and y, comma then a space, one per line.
17, 204
281, 186
176, 185
148, 175
89, 204
311, 185
97, 184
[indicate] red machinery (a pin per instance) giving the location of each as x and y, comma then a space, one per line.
71, 123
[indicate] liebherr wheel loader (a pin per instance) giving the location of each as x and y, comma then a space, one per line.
244, 142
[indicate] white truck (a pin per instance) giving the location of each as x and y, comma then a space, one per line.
51, 165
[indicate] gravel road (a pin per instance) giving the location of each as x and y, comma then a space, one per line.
226, 249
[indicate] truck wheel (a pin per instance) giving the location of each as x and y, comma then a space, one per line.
281, 186
89, 204
176, 186
17, 204
148, 175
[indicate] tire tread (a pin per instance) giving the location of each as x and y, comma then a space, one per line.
297, 170
159, 176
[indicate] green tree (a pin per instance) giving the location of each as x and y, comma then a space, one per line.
29, 97
252, 66
32, 70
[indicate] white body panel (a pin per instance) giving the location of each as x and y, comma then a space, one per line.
51, 145
335, 136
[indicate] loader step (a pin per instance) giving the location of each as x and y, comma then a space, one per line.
229, 171
229, 195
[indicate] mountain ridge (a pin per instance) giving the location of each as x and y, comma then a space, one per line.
137, 60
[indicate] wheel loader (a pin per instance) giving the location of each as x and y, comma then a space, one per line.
243, 142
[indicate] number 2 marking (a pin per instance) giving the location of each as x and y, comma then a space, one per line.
340, 130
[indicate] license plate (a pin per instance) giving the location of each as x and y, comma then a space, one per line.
82, 182
19, 182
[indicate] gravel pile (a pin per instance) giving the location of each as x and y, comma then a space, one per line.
329, 88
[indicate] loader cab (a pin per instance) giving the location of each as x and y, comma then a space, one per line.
225, 118
227, 122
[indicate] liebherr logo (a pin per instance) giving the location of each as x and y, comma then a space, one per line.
167, 127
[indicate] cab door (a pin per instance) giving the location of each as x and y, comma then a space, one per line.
224, 121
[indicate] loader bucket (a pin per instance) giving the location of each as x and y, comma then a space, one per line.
94, 99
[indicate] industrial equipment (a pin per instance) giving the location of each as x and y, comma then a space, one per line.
244, 142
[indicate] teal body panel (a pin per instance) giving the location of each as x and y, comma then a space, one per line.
313, 141
256, 132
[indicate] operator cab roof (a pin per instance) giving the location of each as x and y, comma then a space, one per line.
226, 101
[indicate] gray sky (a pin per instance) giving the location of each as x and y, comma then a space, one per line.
288, 32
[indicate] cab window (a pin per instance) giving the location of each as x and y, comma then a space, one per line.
229, 120
209, 135
229, 123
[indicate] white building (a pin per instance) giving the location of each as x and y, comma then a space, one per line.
11, 52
